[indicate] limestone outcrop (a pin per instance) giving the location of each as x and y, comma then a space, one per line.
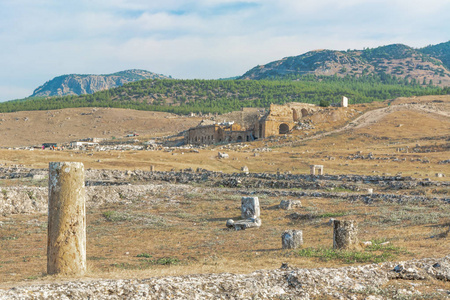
76, 84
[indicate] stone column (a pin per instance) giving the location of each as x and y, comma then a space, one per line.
66, 244
250, 207
292, 239
312, 169
345, 235
320, 169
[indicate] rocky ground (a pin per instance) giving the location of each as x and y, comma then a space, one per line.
375, 281
113, 186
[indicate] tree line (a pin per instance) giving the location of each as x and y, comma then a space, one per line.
221, 96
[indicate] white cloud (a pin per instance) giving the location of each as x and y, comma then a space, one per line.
196, 39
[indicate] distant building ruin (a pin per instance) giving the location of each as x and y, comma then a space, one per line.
344, 102
252, 124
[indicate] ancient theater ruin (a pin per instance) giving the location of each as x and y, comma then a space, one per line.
250, 124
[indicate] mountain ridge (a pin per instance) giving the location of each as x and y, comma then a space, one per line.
426, 65
80, 84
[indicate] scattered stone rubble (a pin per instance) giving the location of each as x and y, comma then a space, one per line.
373, 281
19, 200
251, 180
115, 186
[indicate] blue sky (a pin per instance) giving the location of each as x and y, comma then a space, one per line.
41, 39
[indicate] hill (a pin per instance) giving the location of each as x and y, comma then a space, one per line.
319, 77
221, 96
429, 65
76, 84
27, 128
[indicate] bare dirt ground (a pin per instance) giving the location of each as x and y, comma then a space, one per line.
28, 128
182, 231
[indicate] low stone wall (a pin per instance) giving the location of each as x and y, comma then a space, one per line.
19, 200
256, 180
352, 282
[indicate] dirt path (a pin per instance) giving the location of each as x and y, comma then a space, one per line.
374, 116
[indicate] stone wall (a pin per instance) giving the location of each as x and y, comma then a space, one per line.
203, 135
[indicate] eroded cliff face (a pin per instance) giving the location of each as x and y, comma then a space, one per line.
76, 84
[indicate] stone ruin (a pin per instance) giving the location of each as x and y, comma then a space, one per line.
245, 170
291, 239
66, 251
345, 235
250, 213
313, 169
344, 102
289, 204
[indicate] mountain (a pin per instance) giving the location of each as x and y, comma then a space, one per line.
76, 84
427, 65
440, 51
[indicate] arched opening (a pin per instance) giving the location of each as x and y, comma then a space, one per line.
239, 139
304, 112
284, 128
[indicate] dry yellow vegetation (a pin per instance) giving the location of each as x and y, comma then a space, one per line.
188, 229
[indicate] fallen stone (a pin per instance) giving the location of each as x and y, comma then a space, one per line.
290, 204
291, 239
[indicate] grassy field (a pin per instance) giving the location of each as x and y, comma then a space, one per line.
168, 233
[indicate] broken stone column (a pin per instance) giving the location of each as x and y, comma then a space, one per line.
152, 168
244, 224
250, 207
250, 213
290, 204
291, 239
345, 235
244, 170
66, 244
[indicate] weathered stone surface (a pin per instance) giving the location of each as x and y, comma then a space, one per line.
291, 239
345, 235
290, 204
113, 186
245, 224
353, 282
223, 155
66, 247
250, 207
313, 169
230, 223
244, 170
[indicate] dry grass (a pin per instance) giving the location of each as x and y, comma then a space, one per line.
190, 233
189, 236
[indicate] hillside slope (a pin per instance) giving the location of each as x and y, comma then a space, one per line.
29, 128
76, 84
424, 66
